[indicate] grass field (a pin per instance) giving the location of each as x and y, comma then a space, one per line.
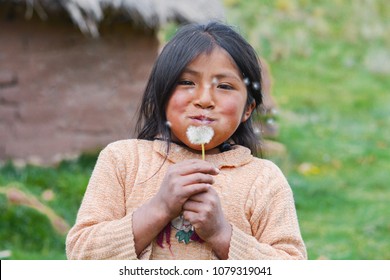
330, 62
333, 92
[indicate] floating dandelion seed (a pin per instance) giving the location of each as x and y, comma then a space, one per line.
247, 81
200, 135
214, 81
168, 124
256, 85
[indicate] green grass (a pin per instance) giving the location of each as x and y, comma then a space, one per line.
337, 122
334, 118
334, 121
25, 232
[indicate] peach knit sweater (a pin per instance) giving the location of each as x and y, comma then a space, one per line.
254, 194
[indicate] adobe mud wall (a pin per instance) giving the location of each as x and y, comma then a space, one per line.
62, 93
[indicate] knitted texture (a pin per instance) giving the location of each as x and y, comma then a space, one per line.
254, 194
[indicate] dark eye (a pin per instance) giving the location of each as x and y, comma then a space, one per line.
185, 83
225, 86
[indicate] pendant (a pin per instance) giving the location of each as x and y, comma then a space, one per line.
184, 229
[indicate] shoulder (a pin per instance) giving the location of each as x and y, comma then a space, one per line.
123, 150
269, 175
125, 156
267, 166
128, 145
249, 166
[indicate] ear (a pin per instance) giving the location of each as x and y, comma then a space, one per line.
248, 111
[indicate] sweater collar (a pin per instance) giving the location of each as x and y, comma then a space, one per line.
237, 156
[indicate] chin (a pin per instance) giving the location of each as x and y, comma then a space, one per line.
196, 148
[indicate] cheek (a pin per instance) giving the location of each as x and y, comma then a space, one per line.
232, 110
178, 102
174, 107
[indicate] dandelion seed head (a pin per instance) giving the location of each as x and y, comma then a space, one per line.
199, 135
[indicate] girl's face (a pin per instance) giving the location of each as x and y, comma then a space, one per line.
209, 92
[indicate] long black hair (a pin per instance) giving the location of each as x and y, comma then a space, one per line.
188, 43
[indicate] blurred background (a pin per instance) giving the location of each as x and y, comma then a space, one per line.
72, 73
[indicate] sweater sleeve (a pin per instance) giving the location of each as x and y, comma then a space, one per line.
103, 228
274, 223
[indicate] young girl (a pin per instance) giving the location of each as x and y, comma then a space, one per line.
156, 198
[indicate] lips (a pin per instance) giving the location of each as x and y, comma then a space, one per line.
201, 119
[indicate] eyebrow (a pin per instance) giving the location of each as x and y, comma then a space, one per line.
218, 76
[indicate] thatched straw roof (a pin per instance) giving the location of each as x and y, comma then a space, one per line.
87, 14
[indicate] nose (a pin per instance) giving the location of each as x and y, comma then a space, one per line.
204, 98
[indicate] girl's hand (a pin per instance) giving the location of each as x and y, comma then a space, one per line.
204, 212
182, 181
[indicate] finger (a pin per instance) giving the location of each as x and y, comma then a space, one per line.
206, 202
192, 206
210, 195
196, 178
196, 166
197, 219
200, 197
190, 216
194, 189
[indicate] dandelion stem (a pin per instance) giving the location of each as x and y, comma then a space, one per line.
203, 152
